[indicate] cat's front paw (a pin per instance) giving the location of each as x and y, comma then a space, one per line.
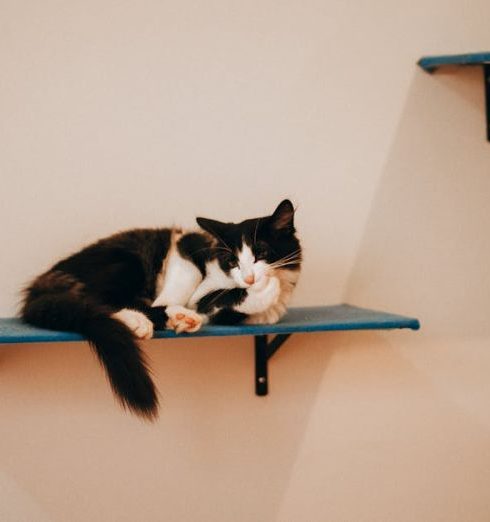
260, 298
182, 319
268, 293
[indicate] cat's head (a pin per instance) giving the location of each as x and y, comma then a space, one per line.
256, 248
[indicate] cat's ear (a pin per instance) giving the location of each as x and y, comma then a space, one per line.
215, 228
282, 220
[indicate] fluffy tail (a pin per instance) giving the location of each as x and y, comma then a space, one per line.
114, 344
125, 365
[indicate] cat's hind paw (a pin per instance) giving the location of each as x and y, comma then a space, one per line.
136, 321
182, 319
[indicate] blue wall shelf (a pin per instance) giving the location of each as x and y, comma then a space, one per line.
432, 63
297, 320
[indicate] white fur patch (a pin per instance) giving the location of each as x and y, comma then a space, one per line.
215, 279
246, 260
136, 321
180, 280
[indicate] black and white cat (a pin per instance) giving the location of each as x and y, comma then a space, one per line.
122, 287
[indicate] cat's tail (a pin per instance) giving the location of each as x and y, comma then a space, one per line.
125, 365
112, 341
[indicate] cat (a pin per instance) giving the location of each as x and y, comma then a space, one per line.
121, 288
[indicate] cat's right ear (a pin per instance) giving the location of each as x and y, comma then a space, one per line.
283, 218
215, 228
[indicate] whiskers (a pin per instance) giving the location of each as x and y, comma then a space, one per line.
290, 260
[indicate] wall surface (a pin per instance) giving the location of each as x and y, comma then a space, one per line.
124, 114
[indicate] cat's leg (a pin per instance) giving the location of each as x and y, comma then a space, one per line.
215, 280
261, 306
181, 279
254, 304
246, 301
172, 317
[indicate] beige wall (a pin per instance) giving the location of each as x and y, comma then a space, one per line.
119, 114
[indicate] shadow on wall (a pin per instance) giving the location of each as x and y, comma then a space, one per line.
213, 433
426, 246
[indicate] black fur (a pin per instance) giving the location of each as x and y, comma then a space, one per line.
228, 317
120, 269
198, 248
81, 292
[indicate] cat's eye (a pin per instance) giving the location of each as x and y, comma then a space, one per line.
261, 251
230, 260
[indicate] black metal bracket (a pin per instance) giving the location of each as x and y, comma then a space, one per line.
431, 63
264, 350
486, 80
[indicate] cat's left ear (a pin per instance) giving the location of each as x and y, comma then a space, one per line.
283, 218
215, 228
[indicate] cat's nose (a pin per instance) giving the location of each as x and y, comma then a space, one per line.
250, 280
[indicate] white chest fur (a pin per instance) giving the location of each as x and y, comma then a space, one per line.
177, 281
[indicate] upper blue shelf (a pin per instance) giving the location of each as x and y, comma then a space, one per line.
430, 63
309, 319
